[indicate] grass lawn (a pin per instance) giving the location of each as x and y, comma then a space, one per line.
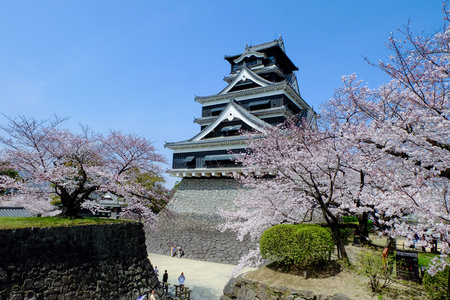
425, 258
16, 223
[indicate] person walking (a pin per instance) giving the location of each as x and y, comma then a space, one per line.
165, 278
181, 279
156, 271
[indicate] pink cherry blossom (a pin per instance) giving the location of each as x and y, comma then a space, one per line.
75, 167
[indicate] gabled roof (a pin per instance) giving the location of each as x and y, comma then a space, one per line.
232, 111
266, 70
278, 42
276, 45
249, 53
247, 74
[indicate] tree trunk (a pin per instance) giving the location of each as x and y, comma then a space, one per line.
70, 207
363, 228
340, 247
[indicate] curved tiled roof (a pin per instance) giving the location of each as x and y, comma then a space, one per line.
245, 74
232, 110
16, 211
263, 46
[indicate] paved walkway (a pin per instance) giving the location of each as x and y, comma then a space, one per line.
205, 279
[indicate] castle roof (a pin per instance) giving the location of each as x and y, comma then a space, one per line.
244, 75
283, 87
277, 46
264, 46
231, 112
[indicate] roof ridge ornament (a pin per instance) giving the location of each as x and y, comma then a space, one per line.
281, 43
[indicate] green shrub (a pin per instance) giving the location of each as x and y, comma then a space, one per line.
303, 245
346, 233
379, 271
436, 286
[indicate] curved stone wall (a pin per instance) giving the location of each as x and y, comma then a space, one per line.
80, 262
242, 288
190, 221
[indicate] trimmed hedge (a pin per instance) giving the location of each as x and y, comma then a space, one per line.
304, 245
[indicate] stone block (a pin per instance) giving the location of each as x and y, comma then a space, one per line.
246, 293
77, 277
340, 296
230, 289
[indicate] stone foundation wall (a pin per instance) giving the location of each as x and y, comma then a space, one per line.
80, 262
241, 288
190, 221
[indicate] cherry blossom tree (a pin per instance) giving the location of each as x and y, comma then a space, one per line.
406, 130
385, 150
77, 168
296, 174
402, 130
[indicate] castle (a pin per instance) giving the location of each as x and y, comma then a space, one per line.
261, 91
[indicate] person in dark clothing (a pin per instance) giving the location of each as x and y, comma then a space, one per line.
165, 278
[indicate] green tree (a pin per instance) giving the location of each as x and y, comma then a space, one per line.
6, 169
158, 195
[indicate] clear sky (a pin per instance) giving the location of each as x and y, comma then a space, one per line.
135, 66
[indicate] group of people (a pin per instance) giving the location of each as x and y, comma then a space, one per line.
165, 278
181, 279
174, 250
424, 243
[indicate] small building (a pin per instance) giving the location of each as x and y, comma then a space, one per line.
110, 207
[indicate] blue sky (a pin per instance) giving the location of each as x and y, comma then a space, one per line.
136, 66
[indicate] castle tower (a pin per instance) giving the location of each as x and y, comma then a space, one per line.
261, 91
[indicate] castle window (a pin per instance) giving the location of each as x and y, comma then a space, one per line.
257, 105
271, 60
190, 162
221, 160
252, 62
230, 130
216, 111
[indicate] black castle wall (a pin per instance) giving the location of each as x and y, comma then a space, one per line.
80, 262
